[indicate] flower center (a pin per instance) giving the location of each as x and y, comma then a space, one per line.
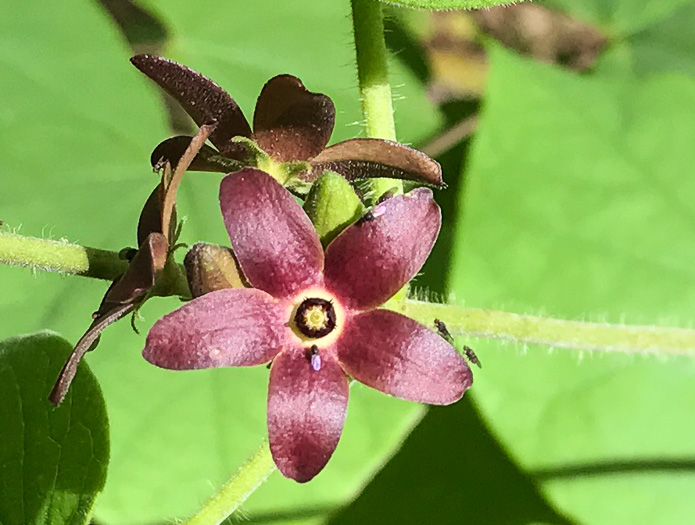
315, 318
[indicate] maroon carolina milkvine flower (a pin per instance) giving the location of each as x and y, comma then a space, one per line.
290, 124
315, 315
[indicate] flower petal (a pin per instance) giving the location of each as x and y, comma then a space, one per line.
204, 100
140, 276
290, 122
363, 158
234, 327
306, 412
275, 243
150, 220
372, 259
207, 159
399, 356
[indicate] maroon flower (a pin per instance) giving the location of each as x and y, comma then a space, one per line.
315, 316
290, 124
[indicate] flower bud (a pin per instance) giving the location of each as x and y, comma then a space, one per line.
210, 267
332, 204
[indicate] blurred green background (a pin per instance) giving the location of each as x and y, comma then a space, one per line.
566, 132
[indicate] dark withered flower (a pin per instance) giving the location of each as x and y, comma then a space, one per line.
156, 235
290, 124
315, 315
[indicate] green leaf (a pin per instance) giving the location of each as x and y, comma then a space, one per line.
578, 204
644, 37
462, 472
620, 18
436, 5
667, 45
52, 461
77, 125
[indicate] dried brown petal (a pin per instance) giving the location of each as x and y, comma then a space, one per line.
140, 276
204, 100
151, 215
86, 343
120, 299
171, 181
290, 122
208, 159
373, 158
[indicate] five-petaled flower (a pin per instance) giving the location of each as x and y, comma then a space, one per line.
315, 315
290, 124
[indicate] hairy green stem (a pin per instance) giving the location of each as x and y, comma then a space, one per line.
60, 256
372, 69
557, 333
372, 73
239, 487
375, 89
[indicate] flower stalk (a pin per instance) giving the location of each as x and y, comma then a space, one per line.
558, 333
73, 259
60, 256
375, 90
372, 73
237, 489
372, 69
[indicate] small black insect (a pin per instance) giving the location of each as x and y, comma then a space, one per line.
386, 195
372, 214
470, 354
444, 332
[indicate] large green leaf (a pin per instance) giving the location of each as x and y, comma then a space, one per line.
76, 127
52, 461
577, 204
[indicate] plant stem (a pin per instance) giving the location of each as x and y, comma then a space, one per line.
372, 69
235, 492
60, 256
557, 333
372, 73
73, 259
375, 90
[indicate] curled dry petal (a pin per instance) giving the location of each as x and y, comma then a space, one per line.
369, 158
399, 356
290, 122
120, 299
151, 220
140, 276
234, 327
275, 242
374, 258
207, 159
86, 343
306, 412
204, 100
